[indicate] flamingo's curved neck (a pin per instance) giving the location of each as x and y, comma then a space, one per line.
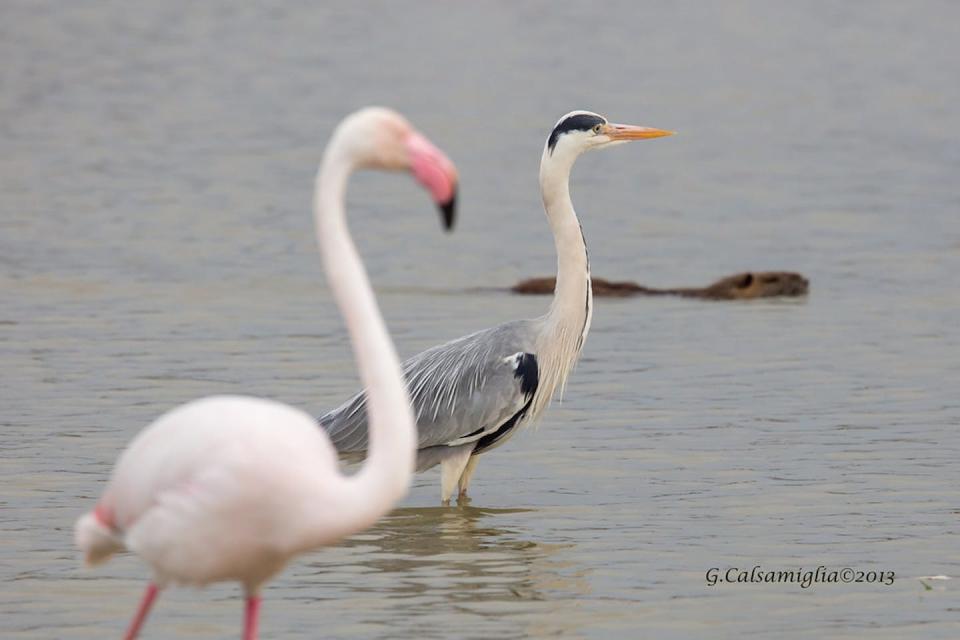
385, 476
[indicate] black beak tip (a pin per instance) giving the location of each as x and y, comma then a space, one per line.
448, 211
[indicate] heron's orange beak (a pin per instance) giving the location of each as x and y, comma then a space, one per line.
629, 132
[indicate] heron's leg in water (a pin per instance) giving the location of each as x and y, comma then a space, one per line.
466, 475
451, 469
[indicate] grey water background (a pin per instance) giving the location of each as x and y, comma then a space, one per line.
156, 245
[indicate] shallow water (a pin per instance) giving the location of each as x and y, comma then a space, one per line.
156, 245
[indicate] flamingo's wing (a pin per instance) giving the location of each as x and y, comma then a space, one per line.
196, 530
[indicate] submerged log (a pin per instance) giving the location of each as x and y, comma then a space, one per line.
740, 286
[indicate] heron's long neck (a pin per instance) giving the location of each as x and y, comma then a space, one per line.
385, 476
568, 320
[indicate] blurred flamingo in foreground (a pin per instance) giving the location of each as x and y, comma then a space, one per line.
231, 488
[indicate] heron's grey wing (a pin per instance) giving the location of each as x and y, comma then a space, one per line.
463, 391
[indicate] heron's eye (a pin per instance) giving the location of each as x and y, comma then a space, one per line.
597, 128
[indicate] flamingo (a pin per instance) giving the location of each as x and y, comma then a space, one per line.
231, 488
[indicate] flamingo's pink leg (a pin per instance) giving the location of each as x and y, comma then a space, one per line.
148, 597
252, 619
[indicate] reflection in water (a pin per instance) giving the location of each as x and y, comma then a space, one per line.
436, 558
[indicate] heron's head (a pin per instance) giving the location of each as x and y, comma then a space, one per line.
383, 139
580, 131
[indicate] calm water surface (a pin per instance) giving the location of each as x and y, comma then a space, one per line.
156, 245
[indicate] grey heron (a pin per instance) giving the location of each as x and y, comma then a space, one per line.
472, 394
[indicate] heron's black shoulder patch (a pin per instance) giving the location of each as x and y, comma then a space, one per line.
528, 372
576, 122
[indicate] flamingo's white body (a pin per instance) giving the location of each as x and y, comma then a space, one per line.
230, 487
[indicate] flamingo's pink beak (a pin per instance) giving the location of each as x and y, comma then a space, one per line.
433, 169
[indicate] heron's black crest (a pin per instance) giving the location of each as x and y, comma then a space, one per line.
577, 122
